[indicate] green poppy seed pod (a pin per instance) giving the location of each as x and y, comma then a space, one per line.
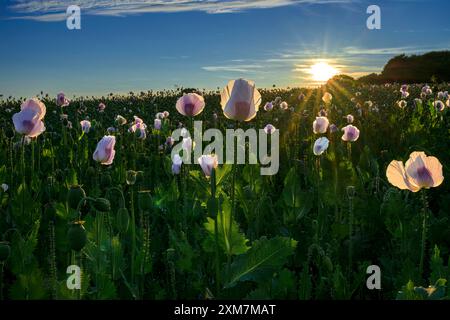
145, 201
122, 220
131, 177
328, 264
105, 180
74, 196
77, 237
102, 204
90, 172
5, 251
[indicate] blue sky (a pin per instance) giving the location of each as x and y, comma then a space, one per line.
140, 45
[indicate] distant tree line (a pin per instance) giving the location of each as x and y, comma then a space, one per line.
429, 67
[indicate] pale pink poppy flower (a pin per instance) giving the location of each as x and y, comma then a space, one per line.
4, 187
120, 120
333, 128
320, 146
439, 105
176, 164
327, 97
29, 120
159, 115
208, 163
61, 100
402, 104
166, 114
427, 90
157, 124
268, 106
104, 153
301, 97
349, 118
240, 100
284, 105
269, 129
36, 105
420, 171
190, 104
140, 129
351, 133
320, 125
170, 142
405, 94
101, 107
85, 126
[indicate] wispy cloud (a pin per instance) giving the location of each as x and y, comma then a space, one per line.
54, 10
389, 51
238, 68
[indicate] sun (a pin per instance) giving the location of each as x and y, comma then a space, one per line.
322, 71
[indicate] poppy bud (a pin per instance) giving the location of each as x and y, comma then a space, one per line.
102, 204
77, 236
328, 264
131, 177
74, 196
145, 201
5, 251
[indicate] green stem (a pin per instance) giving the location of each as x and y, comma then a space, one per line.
350, 232
216, 229
233, 200
2, 264
133, 236
424, 230
12, 163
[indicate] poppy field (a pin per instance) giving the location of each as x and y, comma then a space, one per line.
94, 204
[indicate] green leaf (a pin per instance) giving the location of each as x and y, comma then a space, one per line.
233, 244
262, 260
29, 286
